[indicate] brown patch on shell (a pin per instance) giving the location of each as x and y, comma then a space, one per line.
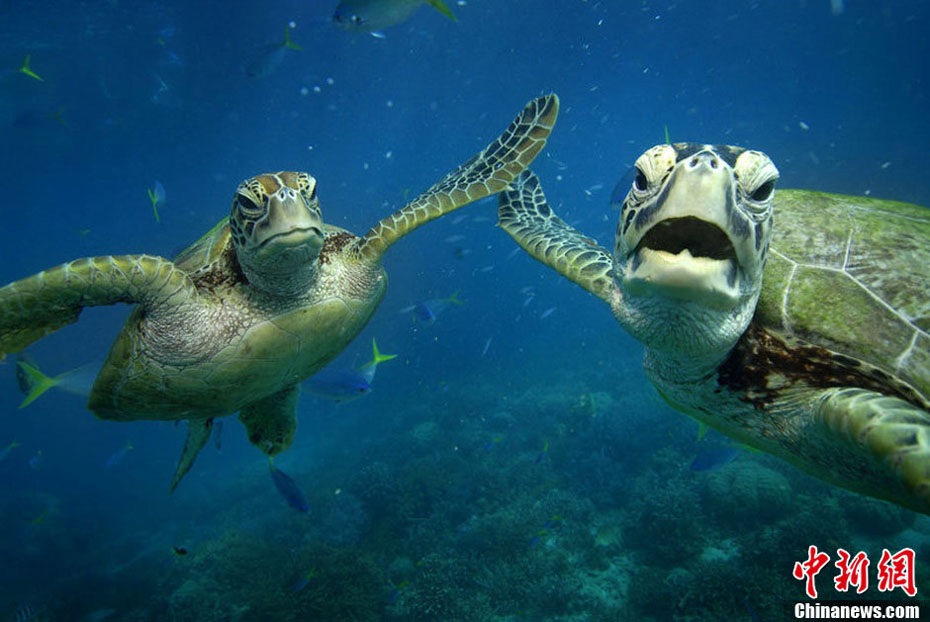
225, 272
333, 244
762, 366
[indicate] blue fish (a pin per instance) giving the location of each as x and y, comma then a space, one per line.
289, 490
303, 581
118, 456
494, 440
36, 461
33, 383
24, 614
374, 15
367, 371
6, 450
537, 537
542, 454
340, 385
157, 196
715, 457
24, 69
618, 194
217, 438
749, 609
269, 57
555, 521
395, 593
428, 310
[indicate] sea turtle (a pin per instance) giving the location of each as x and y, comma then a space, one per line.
259, 303
806, 338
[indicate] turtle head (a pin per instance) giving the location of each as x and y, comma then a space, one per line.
277, 230
690, 246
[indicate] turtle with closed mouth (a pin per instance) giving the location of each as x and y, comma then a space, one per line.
261, 302
795, 322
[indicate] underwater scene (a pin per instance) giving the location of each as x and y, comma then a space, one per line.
507, 415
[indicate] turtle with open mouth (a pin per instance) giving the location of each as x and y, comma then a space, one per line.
795, 322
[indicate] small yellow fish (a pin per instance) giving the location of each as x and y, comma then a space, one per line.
29, 72
40, 519
374, 15
156, 196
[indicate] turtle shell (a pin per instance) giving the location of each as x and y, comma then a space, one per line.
207, 249
851, 274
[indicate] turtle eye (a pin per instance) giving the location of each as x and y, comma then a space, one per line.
247, 206
640, 182
763, 192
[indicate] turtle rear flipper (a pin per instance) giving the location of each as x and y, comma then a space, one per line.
198, 433
271, 422
484, 174
888, 435
525, 215
41, 304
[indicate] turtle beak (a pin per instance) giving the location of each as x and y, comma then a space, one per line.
693, 249
289, 227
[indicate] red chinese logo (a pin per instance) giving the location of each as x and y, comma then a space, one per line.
809, 569
895, 570
853, 571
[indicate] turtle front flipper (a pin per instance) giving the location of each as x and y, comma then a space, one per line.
873, 444
271, 422
484, 174
525, 215
41, 304
198, 433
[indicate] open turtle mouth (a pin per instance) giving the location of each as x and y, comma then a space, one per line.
700, 238
686, 258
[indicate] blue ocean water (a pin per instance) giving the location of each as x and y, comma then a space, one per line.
513, 462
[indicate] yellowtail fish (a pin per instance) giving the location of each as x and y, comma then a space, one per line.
33, 383
289, 489
395, 593
36, 461
29, 72
542, 455
157, 196
40, 519
6, 450
374, 15
427, 310
367, 370
303, 581
118, 456
270, 56
343, 385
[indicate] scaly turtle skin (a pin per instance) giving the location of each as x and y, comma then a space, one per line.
262, 301
795, 323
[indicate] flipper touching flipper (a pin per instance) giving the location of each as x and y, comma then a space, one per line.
484, 174
525, 215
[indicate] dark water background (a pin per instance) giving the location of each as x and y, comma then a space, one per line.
156, 91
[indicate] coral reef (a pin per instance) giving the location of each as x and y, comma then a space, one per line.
743, 491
